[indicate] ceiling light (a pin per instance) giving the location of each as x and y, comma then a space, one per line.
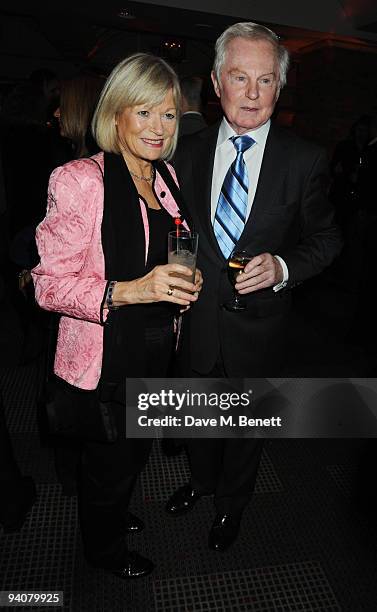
125, 14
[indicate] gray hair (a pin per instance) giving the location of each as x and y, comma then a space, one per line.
139, 79
251, 31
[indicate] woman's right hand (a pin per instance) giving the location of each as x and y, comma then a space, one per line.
159, 285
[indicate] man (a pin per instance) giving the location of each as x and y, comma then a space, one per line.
250, 185
191, 120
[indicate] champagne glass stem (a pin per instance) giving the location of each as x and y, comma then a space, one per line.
237, 297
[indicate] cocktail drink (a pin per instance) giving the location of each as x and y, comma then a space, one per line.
182, 249
184, 258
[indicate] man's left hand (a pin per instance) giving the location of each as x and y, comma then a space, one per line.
260, 272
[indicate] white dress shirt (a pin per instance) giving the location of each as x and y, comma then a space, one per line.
224, 156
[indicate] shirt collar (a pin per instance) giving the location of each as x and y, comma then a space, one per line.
259, 135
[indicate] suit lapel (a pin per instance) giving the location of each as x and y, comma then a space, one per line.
203, 162
271, 178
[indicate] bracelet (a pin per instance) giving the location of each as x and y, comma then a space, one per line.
109, 296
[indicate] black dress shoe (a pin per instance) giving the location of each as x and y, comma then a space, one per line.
20, 500
182, 501
135, 566
132, 524
224, 531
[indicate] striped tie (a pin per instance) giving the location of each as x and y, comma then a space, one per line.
230, 216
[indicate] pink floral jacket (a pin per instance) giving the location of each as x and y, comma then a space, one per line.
70, 276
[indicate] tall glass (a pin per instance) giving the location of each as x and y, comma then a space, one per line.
183, 249
236, 264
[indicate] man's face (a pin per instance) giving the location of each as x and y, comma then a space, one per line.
249, 83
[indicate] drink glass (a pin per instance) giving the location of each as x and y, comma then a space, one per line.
182, 249
236, 263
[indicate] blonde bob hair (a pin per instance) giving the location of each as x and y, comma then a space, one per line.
139, 79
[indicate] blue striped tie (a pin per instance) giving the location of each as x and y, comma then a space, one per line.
230, 216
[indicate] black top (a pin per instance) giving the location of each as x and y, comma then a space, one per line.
124, 350
160, 223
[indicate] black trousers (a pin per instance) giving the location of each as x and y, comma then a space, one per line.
108, 475
109, 472
225, 467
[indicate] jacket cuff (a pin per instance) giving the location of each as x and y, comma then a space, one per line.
104, 312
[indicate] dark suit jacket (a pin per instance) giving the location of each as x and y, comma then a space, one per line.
290, 217
191, 123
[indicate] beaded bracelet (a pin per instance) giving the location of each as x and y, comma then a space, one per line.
109, 296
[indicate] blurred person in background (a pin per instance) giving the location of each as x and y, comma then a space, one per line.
191, 120
30, 149
26, 126
17, 492
78, 100
347, 167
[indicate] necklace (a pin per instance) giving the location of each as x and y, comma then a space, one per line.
143, 178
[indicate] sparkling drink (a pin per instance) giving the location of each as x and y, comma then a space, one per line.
183, 258
182, 249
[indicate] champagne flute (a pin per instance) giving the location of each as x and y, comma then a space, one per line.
236, 264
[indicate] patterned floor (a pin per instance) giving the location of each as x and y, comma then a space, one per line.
304, 544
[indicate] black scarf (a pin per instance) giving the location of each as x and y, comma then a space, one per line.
123, 242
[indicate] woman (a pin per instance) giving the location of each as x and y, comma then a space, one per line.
103, 250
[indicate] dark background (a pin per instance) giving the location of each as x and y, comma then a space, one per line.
308, 539
332, 80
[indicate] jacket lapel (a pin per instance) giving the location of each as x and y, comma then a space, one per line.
271, 179
203, 162
170, 183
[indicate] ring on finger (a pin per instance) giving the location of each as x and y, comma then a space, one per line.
170, 291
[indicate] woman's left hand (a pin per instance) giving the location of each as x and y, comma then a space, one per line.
198, 287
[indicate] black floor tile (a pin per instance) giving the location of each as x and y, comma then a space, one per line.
303, 544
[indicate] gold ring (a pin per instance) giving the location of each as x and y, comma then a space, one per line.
170, 291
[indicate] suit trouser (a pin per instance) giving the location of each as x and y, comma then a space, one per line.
225, 467
109, 471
